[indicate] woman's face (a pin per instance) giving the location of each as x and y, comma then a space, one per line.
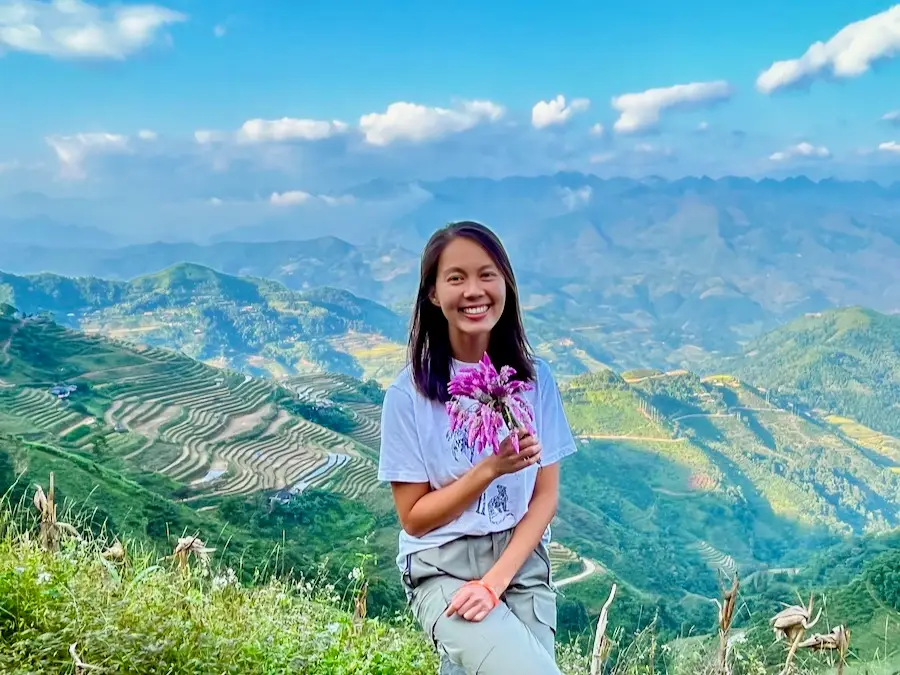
469, 289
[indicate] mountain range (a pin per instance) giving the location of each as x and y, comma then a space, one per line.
245, 323
623, 273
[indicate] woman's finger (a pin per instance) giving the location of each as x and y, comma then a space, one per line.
481, 615
459, 599
474, 612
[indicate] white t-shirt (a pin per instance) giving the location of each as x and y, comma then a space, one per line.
416, 447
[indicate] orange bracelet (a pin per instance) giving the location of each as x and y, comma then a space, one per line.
490, 590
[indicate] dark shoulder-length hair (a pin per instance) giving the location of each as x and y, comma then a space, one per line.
430, 354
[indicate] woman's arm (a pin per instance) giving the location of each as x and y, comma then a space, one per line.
473, 603
529, 531
422, 509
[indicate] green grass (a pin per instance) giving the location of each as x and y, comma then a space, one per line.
145, 612
145, 615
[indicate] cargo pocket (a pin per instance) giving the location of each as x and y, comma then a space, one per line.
429, 602
545, 609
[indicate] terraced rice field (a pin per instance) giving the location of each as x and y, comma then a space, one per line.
218, 432
43, 410
716, 559
885, 445
560, 555
340, 390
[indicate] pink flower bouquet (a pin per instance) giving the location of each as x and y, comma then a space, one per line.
498, 401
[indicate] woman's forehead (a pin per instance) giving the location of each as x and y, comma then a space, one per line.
464, 254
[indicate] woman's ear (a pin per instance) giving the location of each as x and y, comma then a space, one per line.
433, 298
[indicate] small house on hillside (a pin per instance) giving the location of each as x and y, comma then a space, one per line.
283, 496
63, 390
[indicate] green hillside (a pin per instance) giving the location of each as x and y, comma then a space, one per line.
844, 362
210, 448
678, 478
244, 323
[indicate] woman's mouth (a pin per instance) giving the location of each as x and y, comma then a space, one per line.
476, 311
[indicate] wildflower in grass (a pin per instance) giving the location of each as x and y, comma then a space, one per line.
498, 401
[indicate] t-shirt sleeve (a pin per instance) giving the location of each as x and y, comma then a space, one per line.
401, 455
554, 432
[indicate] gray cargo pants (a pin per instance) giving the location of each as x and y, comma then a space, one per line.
516, 637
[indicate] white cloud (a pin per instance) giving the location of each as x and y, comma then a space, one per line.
72, 151
291, 198
288, 129
889, 146
555, 111
597, 129
602, 158
9, 166
76, 29
297, 197
703, 126
801, 150
207, 136
219, 31
640, 111
849, 53
417, 123
337, 201
147, 135
892, 117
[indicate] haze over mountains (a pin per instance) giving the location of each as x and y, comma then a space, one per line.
623, 272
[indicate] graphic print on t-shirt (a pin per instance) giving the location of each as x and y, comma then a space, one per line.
497, 507
460, 447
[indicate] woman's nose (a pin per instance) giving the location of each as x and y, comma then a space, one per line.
472, 289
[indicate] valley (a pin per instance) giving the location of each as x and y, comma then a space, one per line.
679, 477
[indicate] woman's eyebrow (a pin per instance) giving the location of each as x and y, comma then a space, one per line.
461, 270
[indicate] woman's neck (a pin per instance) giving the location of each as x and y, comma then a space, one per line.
469, 348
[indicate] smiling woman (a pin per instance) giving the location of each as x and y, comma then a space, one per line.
471, 293
473, 550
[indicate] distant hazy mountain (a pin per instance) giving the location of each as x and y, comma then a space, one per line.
621, 272
44, 231
299, 265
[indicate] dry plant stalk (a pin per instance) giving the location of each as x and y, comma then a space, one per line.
726, 616
790, 623
191, 546
50, 526
837, 640
359, 603
601, 641
80, 666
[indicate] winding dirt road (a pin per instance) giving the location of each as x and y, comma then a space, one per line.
590, 567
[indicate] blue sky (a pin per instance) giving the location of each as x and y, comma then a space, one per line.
96, 102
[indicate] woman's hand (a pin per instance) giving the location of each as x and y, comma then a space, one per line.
473, 601
509, 461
